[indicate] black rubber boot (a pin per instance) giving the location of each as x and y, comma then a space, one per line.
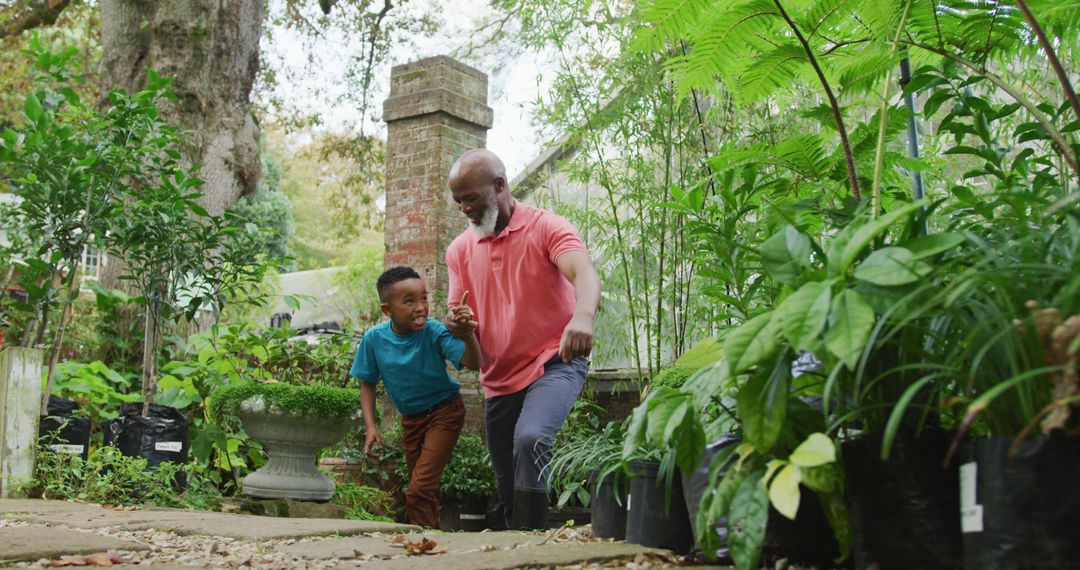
530, 510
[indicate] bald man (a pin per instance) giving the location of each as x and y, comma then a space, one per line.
534, 293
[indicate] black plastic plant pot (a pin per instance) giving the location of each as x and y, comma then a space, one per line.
905, 512
609, 507
654, 519
1021, 510
62, 431
158, 437
464, 516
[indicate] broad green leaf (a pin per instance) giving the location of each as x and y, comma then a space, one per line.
818, 449
836, 513
823, 478
762, 404
747, 517
702, 354
891, 266
635, 432
690, 443
850, 323
803, 315
750, 344
33, 108
786, 254
784, 491
847, 245
934, 244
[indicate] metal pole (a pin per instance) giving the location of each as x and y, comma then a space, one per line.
913, 134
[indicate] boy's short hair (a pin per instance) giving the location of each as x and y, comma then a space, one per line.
392, 276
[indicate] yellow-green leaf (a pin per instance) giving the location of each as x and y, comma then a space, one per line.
818, 449
784, 491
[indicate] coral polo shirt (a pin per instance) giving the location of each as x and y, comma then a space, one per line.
521, 300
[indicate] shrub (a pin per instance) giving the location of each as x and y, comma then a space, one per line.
110, 478
672, 376
469, 475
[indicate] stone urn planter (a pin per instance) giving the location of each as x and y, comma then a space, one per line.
292, 443
293, 422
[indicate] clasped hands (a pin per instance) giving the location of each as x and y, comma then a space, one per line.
460, 319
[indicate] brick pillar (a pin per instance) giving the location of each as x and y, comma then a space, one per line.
437, 109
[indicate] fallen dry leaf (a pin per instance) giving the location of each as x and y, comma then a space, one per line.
425, 546
103, 559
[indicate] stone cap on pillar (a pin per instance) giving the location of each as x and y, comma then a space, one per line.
438, 84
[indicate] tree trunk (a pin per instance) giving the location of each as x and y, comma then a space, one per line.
211, 48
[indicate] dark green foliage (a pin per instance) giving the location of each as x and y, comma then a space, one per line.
329, 402
269, 210
108, 477
363, 503
672, 377
469, 475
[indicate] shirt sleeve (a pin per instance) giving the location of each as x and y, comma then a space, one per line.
560, 237
450, 347
453, 270
365, 366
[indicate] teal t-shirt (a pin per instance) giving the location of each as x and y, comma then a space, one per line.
413, 366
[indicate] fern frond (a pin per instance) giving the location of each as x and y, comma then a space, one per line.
724, 42
859, 74
667, 22
769, 72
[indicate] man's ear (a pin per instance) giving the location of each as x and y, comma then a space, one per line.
501, 184
385, 308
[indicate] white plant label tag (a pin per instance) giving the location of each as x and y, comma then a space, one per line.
168, 446
971, 514
62, 448
471, 517
628, 497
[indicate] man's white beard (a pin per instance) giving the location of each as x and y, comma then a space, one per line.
486, 227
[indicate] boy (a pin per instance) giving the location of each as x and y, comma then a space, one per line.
409, 353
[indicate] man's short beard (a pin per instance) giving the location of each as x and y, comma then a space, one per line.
486, 227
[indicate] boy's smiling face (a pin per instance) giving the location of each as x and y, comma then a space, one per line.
407, 306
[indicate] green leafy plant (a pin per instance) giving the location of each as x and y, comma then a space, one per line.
110, 478
363, 503
580, 462
468, 476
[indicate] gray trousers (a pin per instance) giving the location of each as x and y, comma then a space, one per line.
520, 426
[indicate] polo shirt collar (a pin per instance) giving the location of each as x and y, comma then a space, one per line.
517, 221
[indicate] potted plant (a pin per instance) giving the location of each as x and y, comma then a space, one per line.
293, 399
589, 467
1020, 379
468, 485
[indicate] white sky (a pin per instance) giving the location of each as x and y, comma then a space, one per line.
510, 93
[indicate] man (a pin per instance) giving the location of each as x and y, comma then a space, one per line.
534, 294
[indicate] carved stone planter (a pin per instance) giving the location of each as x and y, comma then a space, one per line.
292, 444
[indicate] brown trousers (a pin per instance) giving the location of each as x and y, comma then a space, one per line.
429, 441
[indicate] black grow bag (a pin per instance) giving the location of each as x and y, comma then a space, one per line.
158, 437
807, 540
905, 512
609, 507
652, 519
465, 516
64, 432
1026, 508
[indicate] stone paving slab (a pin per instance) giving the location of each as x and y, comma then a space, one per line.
252, 527
19, 543
548, 555
381, 546
243, 527
15, 506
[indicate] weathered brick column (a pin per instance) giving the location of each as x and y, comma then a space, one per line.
437, 109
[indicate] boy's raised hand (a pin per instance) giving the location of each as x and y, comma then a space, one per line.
461, 320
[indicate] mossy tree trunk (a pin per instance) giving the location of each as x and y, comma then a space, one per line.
211, 48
